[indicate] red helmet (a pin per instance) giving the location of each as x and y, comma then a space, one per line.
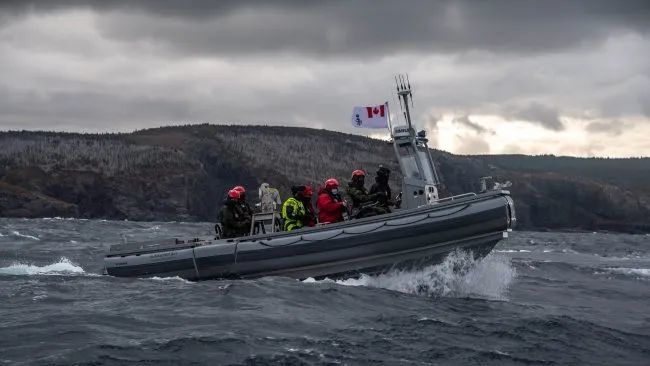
358, 173
239, 189
233, 194
308, 192
331, 184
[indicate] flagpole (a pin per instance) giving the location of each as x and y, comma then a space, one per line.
390, 125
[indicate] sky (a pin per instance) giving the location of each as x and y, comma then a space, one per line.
488, 77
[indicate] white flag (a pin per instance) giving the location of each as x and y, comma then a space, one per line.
370, 117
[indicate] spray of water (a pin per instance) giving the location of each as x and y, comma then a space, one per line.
63, 266
458, 276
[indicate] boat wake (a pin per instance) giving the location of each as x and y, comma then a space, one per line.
18, 234
458, 276
63, 267
636, 272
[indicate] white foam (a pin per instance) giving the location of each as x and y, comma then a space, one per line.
458, 276
645, 272
513, 251
63, 266
174, 278
16, 233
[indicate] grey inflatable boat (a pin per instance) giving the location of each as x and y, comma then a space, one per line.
408, 238
423, 232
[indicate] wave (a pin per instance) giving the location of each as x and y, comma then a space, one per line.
63, 266
63, 218
458, 276
17, 233
644, 272
166, 279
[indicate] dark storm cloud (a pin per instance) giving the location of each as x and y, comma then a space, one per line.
465, 121
540, 114
121, 65
359, 28
32, 109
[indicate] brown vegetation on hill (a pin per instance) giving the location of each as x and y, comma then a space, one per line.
182, 173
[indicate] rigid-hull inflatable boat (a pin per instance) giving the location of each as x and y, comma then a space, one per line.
406, 238
425, 230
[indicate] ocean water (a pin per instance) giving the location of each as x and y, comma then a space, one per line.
538, 298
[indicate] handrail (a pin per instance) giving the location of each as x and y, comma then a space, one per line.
456, 197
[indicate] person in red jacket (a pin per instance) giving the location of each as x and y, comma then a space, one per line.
330, 205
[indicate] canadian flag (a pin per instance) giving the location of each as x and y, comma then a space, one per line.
370, 117
375, 111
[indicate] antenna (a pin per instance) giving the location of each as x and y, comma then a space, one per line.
410, 94
404, 92
400, 99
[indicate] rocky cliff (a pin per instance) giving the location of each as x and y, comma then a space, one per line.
182, 173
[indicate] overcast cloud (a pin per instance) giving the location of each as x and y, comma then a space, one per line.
562, 77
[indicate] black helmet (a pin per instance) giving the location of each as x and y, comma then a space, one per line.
383, 172
297, 189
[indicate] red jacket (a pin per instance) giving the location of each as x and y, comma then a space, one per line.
329, 209
310, 220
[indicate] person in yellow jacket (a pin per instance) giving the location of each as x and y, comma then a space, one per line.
293, 211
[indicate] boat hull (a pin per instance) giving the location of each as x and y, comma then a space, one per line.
402, 239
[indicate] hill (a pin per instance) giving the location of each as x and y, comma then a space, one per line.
182, 173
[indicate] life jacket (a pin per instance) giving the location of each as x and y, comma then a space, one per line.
293, 212
330, 210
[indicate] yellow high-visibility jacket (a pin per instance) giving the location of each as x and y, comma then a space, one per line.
293, 212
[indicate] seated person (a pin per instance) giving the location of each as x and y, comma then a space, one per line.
269, 198
381, 185
363, 203
330, 204
234, 222
243, 204
310, 215
293, 211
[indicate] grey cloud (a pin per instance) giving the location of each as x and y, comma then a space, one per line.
33, 109
614, 128
306, 63
359, 28
465, 121
540, 114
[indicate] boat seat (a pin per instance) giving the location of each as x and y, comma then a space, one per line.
265, 222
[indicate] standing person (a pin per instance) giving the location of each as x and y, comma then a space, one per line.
232, 220
330, 205
293, 211
381, 185
363, 203
310, 217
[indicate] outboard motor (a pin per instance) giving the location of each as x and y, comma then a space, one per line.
420, 179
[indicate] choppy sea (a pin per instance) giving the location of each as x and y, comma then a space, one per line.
539, 298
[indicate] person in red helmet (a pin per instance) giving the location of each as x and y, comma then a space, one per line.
233, 221
310, 215
244, 207
363, 203
330, 205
